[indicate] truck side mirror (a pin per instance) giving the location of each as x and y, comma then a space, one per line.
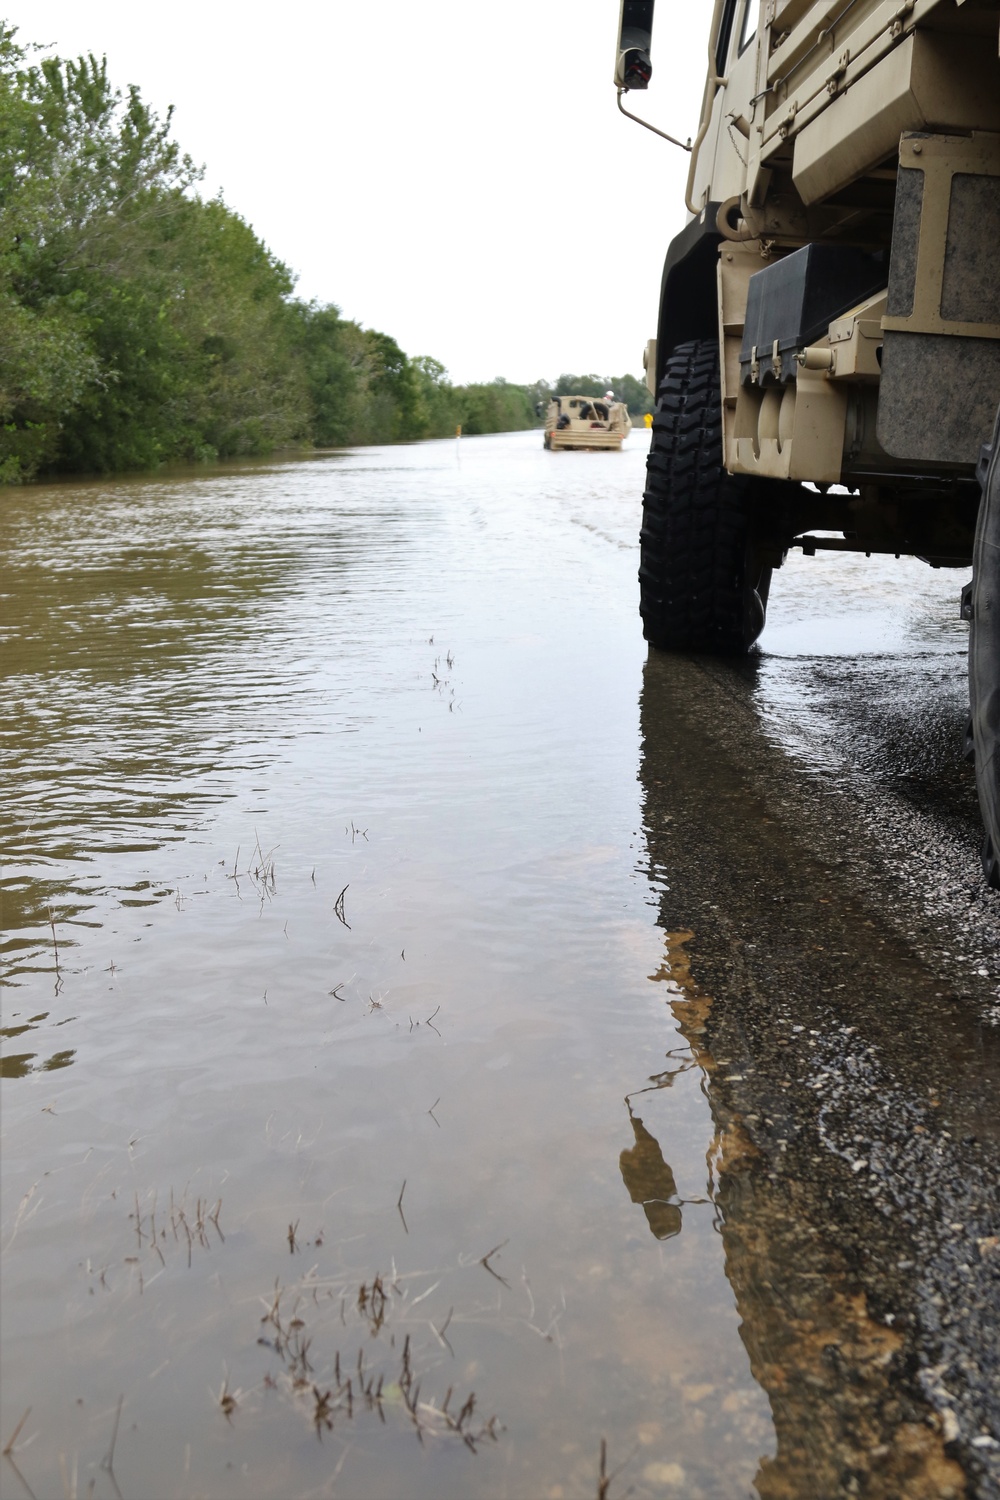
633, 68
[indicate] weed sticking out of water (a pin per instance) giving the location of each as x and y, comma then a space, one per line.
485, 1261
188, 1228
342, 1388
70, 1477
228, 1400
604, 1479
55, 953
441, 1334
338, 908
108, 1461
372, 1300
9, 1448
261, 871
415, 1025
55, 945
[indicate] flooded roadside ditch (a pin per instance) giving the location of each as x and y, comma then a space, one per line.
363, 1129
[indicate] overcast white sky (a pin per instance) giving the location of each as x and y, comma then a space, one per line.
454, 173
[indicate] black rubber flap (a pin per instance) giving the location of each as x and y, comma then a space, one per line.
795, 299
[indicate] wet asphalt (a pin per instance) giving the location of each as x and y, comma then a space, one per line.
840, 951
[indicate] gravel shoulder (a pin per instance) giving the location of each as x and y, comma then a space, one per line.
835, 953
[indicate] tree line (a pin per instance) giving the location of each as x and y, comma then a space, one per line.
142, 324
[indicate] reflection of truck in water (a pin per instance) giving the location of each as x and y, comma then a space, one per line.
827, 356
586, 422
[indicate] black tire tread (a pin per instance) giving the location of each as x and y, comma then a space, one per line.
984, 655
694, 590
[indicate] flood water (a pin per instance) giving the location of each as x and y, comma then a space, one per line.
350, 1069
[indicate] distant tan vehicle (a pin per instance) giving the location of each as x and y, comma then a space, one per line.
831, 315
586, 422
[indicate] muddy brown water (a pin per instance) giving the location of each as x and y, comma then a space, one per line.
350, 1069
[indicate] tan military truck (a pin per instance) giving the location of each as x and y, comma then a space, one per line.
827, 356
586, 422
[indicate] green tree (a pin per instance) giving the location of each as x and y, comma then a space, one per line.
495, 407
440, 405
332, 370
137, 323
394, 392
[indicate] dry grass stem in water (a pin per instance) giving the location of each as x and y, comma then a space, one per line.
485, 1261
8, 1450
338, 908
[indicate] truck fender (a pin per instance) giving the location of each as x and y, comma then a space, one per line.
689, 301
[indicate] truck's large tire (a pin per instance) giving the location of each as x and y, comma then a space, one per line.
982, 605
699, 587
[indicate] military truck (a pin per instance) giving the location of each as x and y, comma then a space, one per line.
827, 356
586, 422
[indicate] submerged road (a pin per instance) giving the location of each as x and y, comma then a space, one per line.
618, 1035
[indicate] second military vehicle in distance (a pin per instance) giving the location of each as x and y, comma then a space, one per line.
827, 355
586, 422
